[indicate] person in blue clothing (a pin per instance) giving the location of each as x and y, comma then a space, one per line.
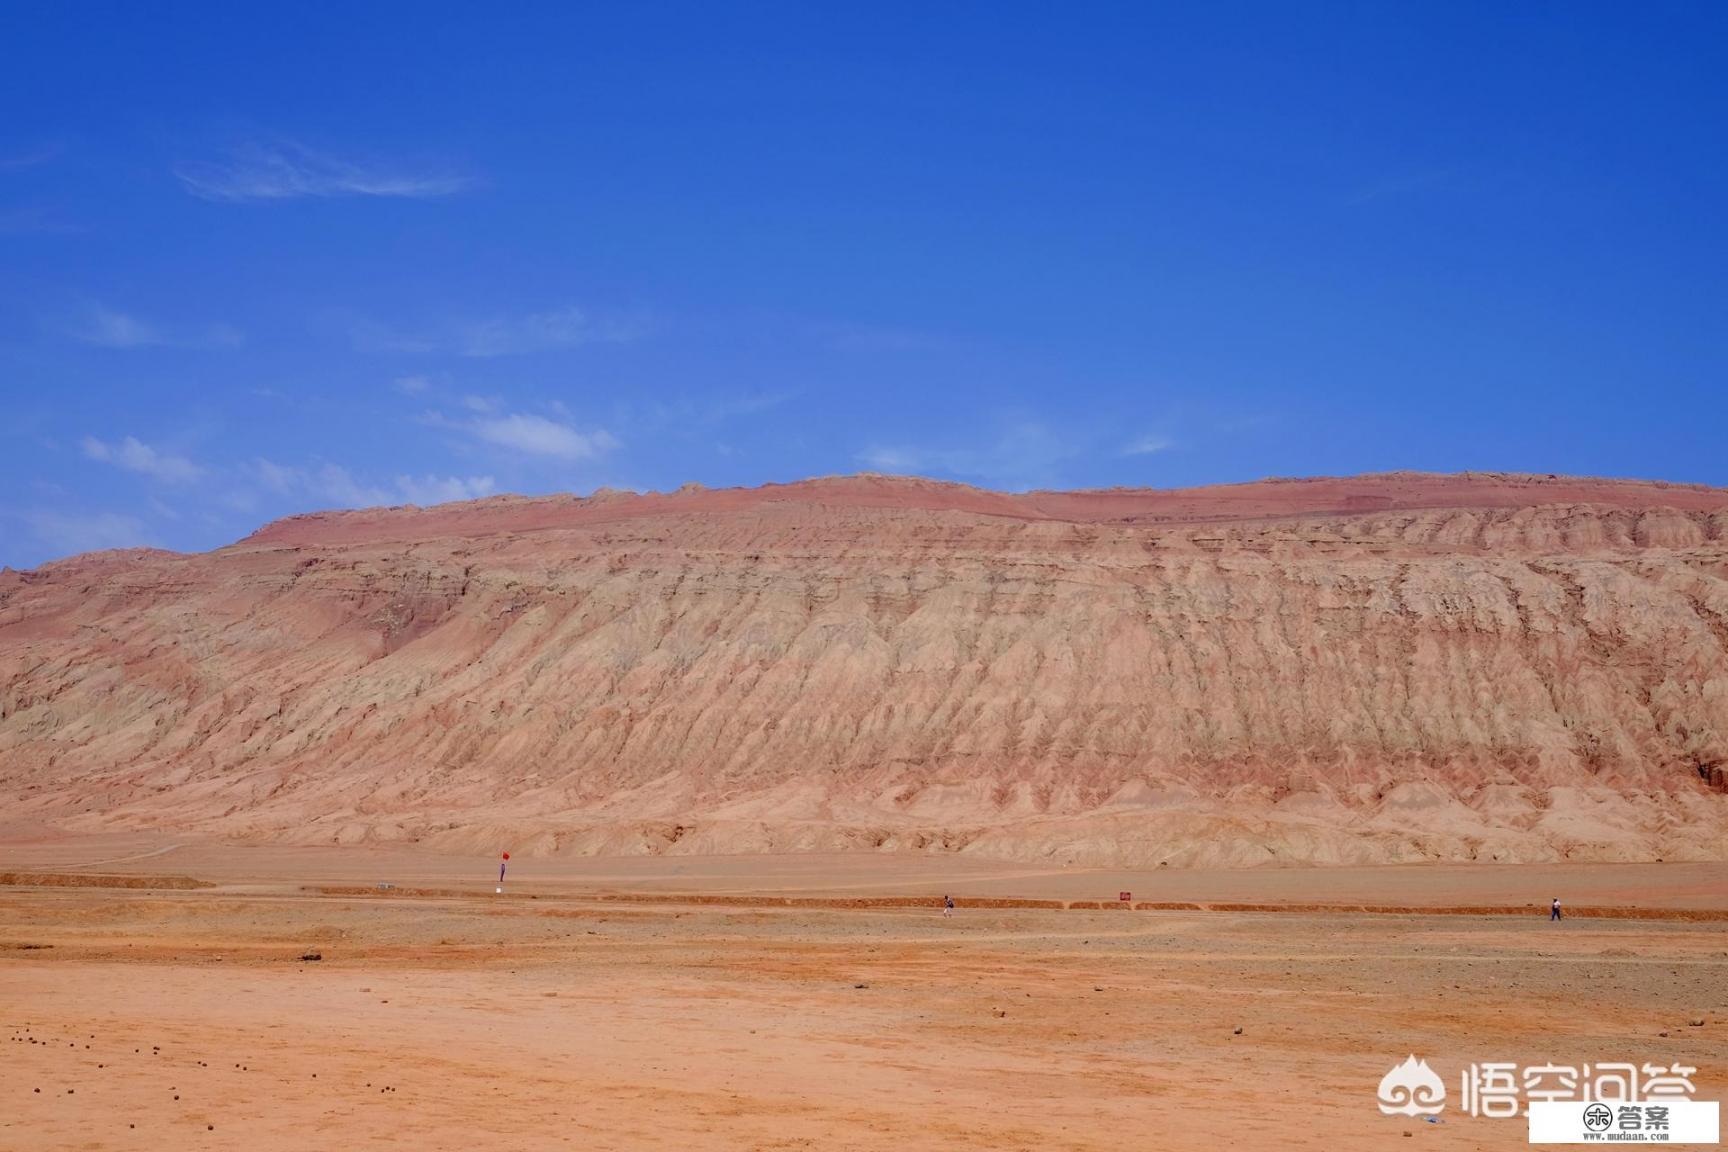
1554, 909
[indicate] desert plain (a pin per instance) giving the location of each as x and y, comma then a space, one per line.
160, 993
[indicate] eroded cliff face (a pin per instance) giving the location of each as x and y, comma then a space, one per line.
1376, 669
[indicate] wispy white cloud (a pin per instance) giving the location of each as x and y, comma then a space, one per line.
898, 459
67, 533
539, 436
263, 173
110, 328
1148, 445
565, 327
1022, 454
134, 455
491, 337
331, 483
279, 478
443, 489
336, 486
411, 385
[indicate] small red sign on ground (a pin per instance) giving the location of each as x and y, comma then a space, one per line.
1124, 896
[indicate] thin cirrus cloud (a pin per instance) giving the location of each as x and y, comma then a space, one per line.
1149, 445
539, 436
105, 327
109, 329
491, 337
443, 489
525, 433
134, 455
336, 486
259, 173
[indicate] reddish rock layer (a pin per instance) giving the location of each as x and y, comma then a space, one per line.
1382, 668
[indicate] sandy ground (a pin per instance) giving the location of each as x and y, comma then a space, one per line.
152, 1018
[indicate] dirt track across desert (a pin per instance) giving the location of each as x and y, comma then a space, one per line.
148, 1017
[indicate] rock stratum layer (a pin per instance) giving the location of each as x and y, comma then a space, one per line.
1384, 668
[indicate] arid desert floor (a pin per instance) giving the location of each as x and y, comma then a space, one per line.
615, 1004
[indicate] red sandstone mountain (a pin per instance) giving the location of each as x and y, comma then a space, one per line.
1381, 668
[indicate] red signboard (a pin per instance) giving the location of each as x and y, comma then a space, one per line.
1124, 896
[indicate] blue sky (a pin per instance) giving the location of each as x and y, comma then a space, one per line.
261, 259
